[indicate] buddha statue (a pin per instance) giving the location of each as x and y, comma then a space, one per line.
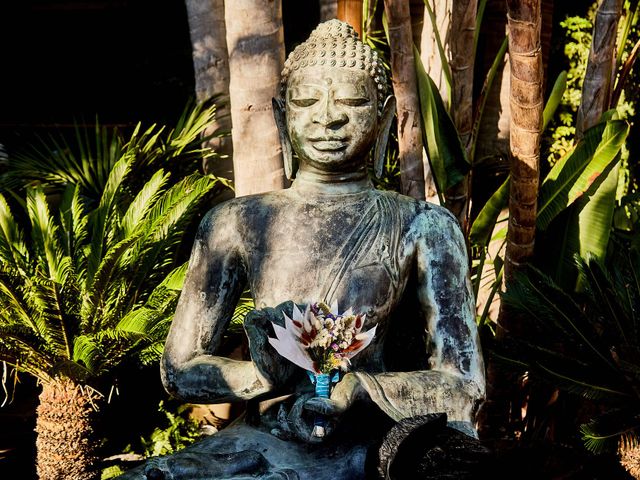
330, 237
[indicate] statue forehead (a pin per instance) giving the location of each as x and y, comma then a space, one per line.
332, 76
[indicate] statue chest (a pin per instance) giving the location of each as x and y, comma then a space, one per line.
355, 256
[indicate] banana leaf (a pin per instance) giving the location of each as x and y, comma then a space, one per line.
580, 172
485, 222
447, 157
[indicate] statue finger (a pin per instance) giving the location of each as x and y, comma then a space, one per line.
324, 406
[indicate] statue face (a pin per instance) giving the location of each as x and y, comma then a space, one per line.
331, 117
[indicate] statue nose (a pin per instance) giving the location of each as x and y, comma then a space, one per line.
328, 115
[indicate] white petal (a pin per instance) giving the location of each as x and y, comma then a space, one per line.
297, 314
292, 352
334, 307
288, 323
366, 338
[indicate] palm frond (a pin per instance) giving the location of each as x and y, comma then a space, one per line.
95, 295
12, 247
74, 222
143, 202
605, 432
46, 306
45, 235
100, 216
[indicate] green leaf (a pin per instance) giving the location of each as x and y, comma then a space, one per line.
447, 157
595, 219
580, 172
555, 98
446, 68
100, 217
143, 202
13, 250
485, 222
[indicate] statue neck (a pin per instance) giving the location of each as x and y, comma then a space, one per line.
310, 180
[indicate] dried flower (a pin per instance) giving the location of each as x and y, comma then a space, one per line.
321, 339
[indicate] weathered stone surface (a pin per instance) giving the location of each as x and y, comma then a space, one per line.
330, 237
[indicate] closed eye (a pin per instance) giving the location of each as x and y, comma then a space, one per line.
303, 102
353, 101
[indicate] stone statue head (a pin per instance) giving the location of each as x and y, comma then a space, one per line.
334, 102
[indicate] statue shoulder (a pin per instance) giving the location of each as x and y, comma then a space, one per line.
424, 216
231, 217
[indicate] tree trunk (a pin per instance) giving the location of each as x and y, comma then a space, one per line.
599, 77
328, 10
408, 104
211, 73
350, 11
463, 22
526, 105
256, 57
430, 56
65, 443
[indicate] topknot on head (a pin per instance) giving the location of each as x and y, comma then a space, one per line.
336, 44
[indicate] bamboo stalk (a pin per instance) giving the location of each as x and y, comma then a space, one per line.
406, 92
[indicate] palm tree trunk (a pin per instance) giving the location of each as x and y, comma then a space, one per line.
463, 23
599, 77
255, 41
406, 92
211, 72
350, 11
430, 56
524, 19
65, 443
526, 105
328, 10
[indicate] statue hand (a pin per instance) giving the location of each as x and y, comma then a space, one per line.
343, 395
273, 370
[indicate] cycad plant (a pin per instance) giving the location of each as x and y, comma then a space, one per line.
86, 282
588, 343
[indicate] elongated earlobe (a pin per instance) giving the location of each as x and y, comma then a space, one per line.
388, 111
285, 142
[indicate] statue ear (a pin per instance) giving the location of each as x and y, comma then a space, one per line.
285, 142
388, 111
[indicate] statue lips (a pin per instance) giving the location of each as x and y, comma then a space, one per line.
329, 144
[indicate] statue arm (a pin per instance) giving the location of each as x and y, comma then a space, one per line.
213, 284
455, 382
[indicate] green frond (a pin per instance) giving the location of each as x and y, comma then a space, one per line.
96, 293
45, 235
13, 304
175, 279
143, 202
535, 296
12, 247
606, 432
176, 204
74, 220
99, 351
46, 307
100, 217
164, 226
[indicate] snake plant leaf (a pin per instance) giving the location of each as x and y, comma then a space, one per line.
447, 157
580, 172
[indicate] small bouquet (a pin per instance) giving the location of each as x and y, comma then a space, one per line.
321, 341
